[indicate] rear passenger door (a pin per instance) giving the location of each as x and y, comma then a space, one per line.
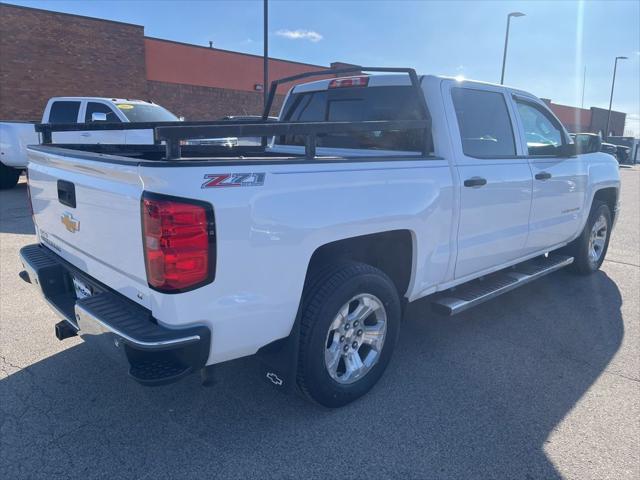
65, 111
495, 183
559, 182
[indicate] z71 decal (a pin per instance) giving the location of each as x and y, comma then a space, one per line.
213, 180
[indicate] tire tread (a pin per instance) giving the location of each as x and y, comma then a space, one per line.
579, 247
326, 283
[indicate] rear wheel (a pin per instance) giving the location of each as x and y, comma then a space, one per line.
349, 328
8, 177
590, 248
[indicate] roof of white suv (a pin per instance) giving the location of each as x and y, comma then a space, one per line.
104, 99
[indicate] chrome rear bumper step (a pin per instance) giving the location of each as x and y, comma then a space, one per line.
467, 295
156, 354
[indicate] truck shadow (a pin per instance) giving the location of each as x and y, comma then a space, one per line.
473, 396
15, 216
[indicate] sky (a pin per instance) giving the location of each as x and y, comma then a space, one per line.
549, 47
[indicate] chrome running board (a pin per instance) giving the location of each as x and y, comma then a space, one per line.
467, 295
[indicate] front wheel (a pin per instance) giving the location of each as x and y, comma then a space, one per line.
590, 248
349, 328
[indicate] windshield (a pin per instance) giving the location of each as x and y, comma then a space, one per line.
353, 105
136, 112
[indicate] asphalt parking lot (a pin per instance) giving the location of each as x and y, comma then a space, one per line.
543, 382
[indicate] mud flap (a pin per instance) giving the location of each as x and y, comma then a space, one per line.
279, 361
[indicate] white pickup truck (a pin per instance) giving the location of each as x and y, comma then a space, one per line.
15, 136
376, 190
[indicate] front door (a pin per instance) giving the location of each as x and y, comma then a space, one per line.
116, 137
495, 184
559, 183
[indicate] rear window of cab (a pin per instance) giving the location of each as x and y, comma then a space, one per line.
357, 104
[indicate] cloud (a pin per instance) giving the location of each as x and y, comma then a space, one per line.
300, 35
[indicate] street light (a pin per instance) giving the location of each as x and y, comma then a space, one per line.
265, 45
613, 82
506, 41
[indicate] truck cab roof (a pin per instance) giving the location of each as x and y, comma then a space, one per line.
385, 80
102, 99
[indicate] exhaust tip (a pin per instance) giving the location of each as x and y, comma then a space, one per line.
24, 275
64, 330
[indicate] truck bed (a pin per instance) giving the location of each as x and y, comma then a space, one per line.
201, 155
157, 153
170, 141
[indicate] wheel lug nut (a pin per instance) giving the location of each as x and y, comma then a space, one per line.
346, 348
347, 326
354, 344
360, 333
355, 324
342, 339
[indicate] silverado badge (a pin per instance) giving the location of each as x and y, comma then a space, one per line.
70, 223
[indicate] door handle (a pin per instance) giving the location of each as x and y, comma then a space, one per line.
67, 193
543, 176
475, 182
85, 134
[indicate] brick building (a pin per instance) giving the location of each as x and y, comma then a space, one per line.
45, 54
593, 120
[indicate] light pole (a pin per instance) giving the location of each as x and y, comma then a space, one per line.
265, 44
613, 83
506, 42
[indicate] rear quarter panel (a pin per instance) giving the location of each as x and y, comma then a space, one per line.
267, 234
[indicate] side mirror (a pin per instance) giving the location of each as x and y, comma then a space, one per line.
98, 117
587, 143
181, 118
567, 150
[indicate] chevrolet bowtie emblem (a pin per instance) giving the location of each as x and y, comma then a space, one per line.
70, 223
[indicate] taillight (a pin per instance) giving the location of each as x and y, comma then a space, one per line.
179, 243
349, 82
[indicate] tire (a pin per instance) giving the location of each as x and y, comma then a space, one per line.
8, 177
326, 374
590, 248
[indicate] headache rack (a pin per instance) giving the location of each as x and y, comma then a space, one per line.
171, 135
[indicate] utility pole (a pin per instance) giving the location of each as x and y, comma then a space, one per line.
265, 42
613, 83
584, 82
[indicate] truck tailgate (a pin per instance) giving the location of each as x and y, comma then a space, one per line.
88, 212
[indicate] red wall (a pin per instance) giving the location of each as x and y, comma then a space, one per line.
45, 54
572, 116
173, 62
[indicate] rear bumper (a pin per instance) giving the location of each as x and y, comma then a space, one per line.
155, 354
